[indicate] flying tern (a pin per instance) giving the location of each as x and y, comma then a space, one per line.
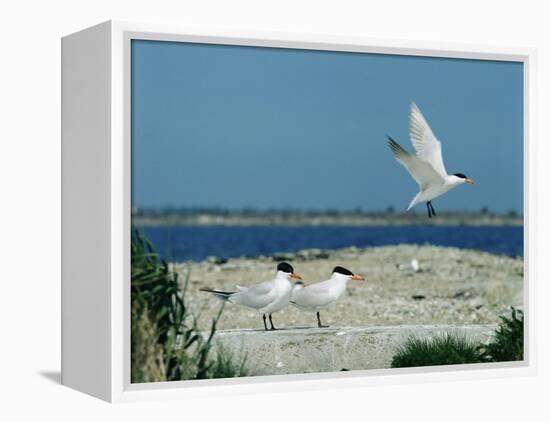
266, 297
319, 295
426, 167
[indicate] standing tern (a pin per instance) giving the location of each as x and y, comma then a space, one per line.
266, 297
426, 167
319, 295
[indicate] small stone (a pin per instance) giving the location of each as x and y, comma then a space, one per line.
216, 260
283, 257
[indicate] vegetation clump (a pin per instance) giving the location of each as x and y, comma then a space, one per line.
166, 344
506, 345
438, 351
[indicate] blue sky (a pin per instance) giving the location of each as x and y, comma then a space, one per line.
235, 127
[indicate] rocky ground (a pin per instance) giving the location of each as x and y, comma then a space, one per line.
452, 286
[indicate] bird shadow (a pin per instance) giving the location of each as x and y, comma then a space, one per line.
51, 375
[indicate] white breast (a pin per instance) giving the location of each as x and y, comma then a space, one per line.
281, 296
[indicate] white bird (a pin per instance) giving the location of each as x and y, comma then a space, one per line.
319, 295
266, 297
426, 167
412, 267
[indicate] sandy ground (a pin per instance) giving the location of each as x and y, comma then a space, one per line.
453, 286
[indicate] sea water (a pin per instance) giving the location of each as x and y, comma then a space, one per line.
182, 243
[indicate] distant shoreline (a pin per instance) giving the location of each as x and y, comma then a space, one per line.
325, 219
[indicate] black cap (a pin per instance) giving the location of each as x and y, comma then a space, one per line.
342, 271
285, 267
461, 175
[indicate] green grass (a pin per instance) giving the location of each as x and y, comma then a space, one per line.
166, 343
437, 351
227, 365
506, 345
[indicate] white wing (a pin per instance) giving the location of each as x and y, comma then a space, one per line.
316, 295
427, 147
422, 172
257, 296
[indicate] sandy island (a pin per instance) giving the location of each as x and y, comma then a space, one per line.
453, 286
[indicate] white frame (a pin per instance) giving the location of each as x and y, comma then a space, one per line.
114, 327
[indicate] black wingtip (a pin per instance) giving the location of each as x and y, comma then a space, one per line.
393, 144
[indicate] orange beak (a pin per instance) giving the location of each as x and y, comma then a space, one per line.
357, 278
295, 275
470, 181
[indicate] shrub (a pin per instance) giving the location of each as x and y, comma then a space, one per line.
166, 343
437, 351
507, 345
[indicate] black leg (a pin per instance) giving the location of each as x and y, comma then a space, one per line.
265, 324
429, 210
271, 321
433, 210
319, 324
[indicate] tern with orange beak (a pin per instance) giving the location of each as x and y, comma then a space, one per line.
426, 167
319, 295
266, 297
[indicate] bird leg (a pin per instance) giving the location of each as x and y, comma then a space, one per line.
271, 321
319, 324
433, 210
265, 324
429, 210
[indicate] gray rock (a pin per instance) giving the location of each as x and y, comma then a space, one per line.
216, 260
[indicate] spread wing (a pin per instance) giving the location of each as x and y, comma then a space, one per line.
421, 171
427, 147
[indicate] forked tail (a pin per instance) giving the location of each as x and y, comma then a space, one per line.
414, 201
221, 295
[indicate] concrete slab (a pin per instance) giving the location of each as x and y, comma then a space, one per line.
307, 350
